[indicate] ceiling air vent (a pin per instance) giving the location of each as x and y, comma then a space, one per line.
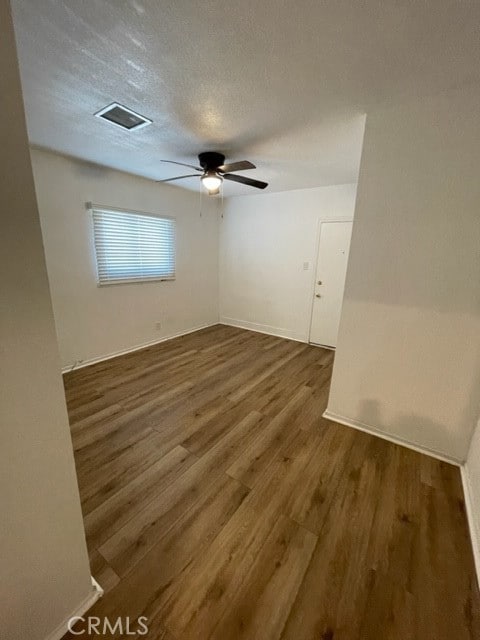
122, 117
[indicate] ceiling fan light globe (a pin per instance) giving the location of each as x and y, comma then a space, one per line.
211, 182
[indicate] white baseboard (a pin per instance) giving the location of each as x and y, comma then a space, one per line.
360, 426
108, 356
93, 596
474, 534
264, 328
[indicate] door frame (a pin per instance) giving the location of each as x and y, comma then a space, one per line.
314, 274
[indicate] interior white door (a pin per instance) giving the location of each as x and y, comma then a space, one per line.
330, 282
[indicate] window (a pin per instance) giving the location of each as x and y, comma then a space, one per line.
133, 247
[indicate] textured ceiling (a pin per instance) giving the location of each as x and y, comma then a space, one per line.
281, 83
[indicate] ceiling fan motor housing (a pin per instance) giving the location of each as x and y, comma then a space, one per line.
211, 160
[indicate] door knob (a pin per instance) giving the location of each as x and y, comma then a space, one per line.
317, 295
319, 282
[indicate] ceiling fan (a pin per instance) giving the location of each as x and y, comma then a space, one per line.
213, 172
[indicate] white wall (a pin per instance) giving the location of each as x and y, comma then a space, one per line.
408, 353
97, 321
44, 572
264, 241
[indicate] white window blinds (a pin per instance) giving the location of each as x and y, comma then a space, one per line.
133, 247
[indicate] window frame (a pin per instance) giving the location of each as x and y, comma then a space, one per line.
93, 207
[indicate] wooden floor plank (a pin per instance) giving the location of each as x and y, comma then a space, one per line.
151, 583
103, 572
249, 465
264, 599
220, 504
129, 544
112, 514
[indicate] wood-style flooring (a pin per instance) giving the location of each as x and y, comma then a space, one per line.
220, 505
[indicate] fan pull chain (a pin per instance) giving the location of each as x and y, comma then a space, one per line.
222, 199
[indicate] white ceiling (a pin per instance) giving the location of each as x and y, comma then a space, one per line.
278, 82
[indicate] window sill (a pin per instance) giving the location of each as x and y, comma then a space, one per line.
115, 283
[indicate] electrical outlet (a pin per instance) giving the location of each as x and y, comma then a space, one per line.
158, 325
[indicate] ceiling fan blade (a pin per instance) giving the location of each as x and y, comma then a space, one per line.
243, 165
191, 175
244, 180
182, 164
